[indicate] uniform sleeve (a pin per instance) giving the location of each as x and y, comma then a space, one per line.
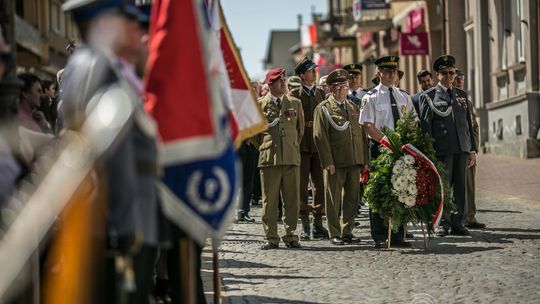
426, 115
321, 137
476, 128
301, 122
367, 110
471, 130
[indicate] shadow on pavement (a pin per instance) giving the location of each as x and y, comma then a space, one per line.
261, 299
231, 263
512, 230
226, 275
450, 249
497, 211
228, 281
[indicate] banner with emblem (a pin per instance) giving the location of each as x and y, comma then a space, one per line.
184, 95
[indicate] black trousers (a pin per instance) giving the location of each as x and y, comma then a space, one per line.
143, 265
249, 157
456, 173
174, 269
379, 230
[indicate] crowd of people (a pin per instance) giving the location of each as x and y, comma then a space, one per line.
325, 130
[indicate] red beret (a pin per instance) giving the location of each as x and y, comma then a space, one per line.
273, 75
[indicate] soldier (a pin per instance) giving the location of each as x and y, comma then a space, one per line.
343, 151
324, 86
293, 82
279, 160
355, 83
382, 107
425, 80
310, 164
95, 70
445, 116
470, 214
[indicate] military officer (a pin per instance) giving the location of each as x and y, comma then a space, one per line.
445, 116
279, 160
356, 92
293, 82
382, 106
470, 214
310, 164
342, 147
100, 67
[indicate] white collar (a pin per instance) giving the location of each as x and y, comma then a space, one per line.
274, 98
308, 87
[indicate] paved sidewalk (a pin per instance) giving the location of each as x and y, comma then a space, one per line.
500, 264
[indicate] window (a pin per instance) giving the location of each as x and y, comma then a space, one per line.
519, 28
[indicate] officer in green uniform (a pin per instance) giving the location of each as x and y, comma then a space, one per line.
343, 150
310, 164
279, 160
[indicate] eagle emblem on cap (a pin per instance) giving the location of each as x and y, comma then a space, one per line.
445, 58
392, 58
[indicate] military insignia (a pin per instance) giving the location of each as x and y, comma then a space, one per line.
403, 109
392, 58
289, 113
462, 101
445, 58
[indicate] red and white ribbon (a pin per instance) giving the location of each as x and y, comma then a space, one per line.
418, 154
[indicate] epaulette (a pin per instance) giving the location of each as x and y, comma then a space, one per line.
366, 90
460, 91
371, 90
404, 91
430, 92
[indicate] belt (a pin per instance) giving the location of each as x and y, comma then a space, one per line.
309, 124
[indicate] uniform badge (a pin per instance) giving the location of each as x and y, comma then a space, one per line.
289, 113
462, 101
403, 109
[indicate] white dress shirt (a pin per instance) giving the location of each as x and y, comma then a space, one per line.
376, 108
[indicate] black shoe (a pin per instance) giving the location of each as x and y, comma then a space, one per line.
245, 218
304, 235
336, 241
269, 245
400, 244
319, 232
293, 244
459, 231
476, 225
380, 244
409, 235
441, 231
350, 239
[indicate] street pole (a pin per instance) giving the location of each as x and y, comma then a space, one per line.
443, 26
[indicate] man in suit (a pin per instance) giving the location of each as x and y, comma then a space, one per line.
425, 80
382, 107
279, 160
470, 214
310, 164
445, 116
343, 151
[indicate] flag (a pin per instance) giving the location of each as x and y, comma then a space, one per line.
247, 113
185, 97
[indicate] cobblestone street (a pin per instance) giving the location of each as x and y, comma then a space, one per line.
497, 265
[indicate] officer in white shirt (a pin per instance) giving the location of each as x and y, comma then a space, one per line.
381, 107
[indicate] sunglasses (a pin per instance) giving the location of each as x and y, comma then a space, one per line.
446, 73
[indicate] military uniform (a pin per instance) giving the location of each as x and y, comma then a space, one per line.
470, 214
130, 165
382, 106
310, 163
340, 141
279, 163
445, 116
355, 96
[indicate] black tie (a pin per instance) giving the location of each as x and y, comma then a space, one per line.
354, 93
395, 111
278, 102
450, 93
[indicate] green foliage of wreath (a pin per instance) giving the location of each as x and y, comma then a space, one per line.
379, 187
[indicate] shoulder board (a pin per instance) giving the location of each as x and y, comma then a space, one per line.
460, 91
292, 98
371, 91
430, 92
404, 91
366, 90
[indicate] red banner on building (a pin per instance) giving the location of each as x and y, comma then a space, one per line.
414, 44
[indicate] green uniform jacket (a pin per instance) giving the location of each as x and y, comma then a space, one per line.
309, 103
341, 148
280, 143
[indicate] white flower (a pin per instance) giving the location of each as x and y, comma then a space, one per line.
408, 159
412, 190
410, 201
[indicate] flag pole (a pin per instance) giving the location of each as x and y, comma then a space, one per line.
217, 285
187, 270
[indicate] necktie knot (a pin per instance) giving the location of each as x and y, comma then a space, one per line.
450, 93
354, 93
278, 102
